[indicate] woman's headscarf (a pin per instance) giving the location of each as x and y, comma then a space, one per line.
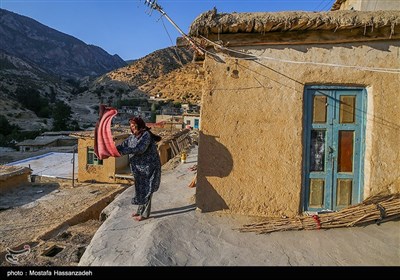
140, 122
141, 126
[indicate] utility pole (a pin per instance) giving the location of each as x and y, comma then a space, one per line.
73, 165
153, 4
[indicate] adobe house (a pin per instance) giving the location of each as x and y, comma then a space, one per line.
90, 168
300, 110
117, 169
174, 144
13, 176
47, 139
171, 122
192, 120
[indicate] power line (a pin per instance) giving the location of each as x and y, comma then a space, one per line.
153, 4
320, 3
327, 4
252, 57
179, 58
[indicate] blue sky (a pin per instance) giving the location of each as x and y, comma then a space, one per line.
126, 27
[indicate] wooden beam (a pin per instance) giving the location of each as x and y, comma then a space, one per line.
307, 37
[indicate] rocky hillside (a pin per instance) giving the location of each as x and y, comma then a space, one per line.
167, 73
57, 67
183, 84
53, 51
150, 67
159, 74
16, 74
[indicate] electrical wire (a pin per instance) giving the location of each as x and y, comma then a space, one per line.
252, 57
177, 55
319, 5
328, 3
197, 46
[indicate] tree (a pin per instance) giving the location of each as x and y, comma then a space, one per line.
7, 132
30, 98
61, 116
74, 126
5, 127
177, 104
53, 95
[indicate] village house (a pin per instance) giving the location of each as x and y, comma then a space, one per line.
300, 110
92, 169
191, 120
126, 112
117, 169
366, 5
190, 108
47, 139
170, 121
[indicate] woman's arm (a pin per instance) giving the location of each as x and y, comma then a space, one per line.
141, 146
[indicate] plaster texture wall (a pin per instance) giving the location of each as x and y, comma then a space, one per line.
99, 173
371, 5
165, 152
251, 142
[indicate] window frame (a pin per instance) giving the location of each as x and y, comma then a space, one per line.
91, 158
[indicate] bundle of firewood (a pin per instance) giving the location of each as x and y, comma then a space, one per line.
376, 209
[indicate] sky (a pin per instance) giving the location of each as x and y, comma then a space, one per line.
129, 28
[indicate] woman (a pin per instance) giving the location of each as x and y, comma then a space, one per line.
145, 165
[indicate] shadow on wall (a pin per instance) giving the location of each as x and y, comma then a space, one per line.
214, 161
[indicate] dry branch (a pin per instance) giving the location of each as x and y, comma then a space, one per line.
375, 209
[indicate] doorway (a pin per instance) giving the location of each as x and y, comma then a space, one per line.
334, 147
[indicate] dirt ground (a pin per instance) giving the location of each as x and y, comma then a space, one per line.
54, 221
51, 224
65, 249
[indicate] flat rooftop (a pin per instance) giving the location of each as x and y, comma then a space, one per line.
52, 164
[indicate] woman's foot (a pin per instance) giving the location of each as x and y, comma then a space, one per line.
140, 218
135, 214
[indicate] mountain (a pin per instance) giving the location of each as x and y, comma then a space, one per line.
138, 80
53, 51
17, 74
43, 66
152, 66
169, 73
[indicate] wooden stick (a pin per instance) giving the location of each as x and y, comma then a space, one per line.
193, 182
366, 212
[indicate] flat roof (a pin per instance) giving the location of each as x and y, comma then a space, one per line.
53, 164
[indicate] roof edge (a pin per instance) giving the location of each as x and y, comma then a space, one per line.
211, 22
